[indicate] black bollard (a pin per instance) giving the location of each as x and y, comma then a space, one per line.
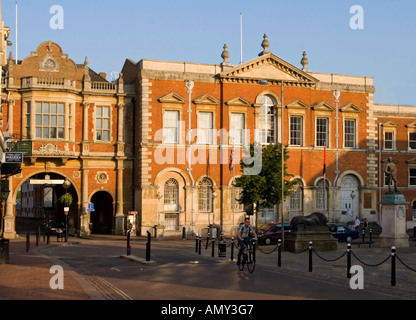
393, 266
199, 245
148, 246
183, 232
363, 234
27, 242
279, 253
371, 236
48, 238
232, 248
196, 243
310, 256
213, 244
37, 236
128, 243
348, 260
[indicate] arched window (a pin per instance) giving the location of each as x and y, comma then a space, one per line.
171, 195
267, 120
296, 198
205, 195
322, 195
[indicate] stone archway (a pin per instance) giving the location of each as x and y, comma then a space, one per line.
102, 218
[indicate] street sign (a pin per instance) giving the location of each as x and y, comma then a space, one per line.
90, 207
45, 181
23, 146
13, 157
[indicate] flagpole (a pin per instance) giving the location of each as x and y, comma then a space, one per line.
233, 183
324, 195
16, 32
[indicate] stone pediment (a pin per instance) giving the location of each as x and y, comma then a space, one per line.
268, 67
323, 106
172, 98
297, 104
411, 161
238, 101
411, 125
390, 124
351, 108
206, 99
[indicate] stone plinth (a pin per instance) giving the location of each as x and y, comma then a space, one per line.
322, 240
393, 208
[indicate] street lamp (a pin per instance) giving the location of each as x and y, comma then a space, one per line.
159, 196
352, 195
66, 184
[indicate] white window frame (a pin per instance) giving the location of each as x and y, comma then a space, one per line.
326, 133
237, 134
393, 140
353, 134
205, 135
300, 131
42, 116
166, 130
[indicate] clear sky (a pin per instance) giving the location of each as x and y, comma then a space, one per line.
108, 32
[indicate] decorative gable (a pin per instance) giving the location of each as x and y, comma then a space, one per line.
351, 108
411, 125
206, 99
271, 68
390, 124
411, 161
238, 101
172, 98
323, 106
297, 104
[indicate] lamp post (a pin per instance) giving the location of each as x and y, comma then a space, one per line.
336, 94
66, 184
159, 197
4, 243
352, 195
214, 195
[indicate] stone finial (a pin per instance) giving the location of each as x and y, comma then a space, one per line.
10, 56
225, 54
265, 44
304, 62
86, 61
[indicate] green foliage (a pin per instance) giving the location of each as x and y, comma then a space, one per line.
66, 199
265, 189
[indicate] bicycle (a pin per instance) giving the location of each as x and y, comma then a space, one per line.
248, 257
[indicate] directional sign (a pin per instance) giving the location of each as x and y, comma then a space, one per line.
13, 157
90, 207
45, 181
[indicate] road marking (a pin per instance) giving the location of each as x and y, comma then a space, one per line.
115, 269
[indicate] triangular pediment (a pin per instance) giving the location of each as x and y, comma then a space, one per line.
411, 161
206, 99
323, 106
394, 160
172, 98
411, 125
390, 124
238, 101
268, 67
297, 104
351, 108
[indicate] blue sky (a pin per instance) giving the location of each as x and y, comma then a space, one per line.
108, 32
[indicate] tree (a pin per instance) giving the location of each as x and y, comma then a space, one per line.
265, 189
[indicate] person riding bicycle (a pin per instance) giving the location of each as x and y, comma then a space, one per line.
244, 231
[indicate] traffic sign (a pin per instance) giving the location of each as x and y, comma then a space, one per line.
13, 157
90, 207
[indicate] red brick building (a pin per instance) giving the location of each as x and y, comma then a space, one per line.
226, 105
75, 126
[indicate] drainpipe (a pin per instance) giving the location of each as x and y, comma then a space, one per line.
379, 172
336, 94
189, 86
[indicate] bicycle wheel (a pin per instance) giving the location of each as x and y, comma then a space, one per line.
242, 262
251, 263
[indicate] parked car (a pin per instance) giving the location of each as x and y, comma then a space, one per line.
343, 233
273, 233
54, 227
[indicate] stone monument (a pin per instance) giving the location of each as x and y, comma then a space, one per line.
393, 207
310, 228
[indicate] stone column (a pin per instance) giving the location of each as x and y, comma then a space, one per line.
119, 202
85, 217
393, 207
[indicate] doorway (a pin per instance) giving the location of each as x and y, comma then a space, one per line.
102, 218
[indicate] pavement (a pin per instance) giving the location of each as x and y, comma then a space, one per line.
28, 274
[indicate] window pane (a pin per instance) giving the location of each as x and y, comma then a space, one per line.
99, 113
53, 108
38, 132
106, 124
61, 121
45, 133
412, 140
236, 128
60, 133
99, 135
46, 120
53, 133
349, 138
106, 136
38, 120
53, 120
38, 107
45, 107
61, 109
98, 124
296, 131
106, 112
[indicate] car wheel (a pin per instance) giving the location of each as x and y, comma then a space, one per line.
267, 241
349, 239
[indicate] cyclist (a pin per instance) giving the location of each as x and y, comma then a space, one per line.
244, 231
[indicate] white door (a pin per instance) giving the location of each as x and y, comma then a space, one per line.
349, 198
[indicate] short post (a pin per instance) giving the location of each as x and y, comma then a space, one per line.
27, 242
196, 243
310, 256
232, 248
128, 243
206, 244
253, 243
148, 246
48, 237
371, 236
183, 232
348, 260
199, 245
393, 266
212, 244
363, 234
37, 236
279, 253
